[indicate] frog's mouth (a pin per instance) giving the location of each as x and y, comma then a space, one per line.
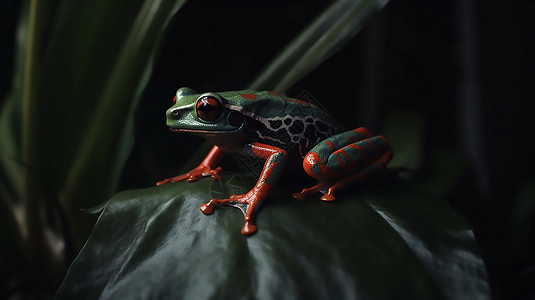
203, 132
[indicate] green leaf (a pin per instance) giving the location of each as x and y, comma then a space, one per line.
103, 148
389, 240
338, 24
68, 123
77, 82
11, 114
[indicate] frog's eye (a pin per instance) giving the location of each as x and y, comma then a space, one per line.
208, 108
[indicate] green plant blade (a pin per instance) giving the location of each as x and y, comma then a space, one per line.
102, 147
11, 113
68, 122
388, 241
94, 68
328, 33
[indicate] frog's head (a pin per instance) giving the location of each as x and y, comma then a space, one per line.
203, 114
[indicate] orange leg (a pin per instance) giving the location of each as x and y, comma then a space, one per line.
206, 168
321, 186
275, 160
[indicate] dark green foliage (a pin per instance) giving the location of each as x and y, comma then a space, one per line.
66, 127
80, 71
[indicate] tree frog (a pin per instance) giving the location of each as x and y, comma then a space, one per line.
273, 128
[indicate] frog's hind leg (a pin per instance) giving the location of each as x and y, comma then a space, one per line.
360, 176
344, 158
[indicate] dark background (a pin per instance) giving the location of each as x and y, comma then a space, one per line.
465, 66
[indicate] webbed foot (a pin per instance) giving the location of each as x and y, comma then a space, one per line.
325, 187
245, 202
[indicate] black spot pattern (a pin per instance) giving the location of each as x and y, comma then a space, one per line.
275, 123
297, 127
287, 132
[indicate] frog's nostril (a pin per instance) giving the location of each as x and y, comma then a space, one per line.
173, 113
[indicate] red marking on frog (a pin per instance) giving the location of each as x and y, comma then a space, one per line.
248, 96
330, 144
361, 150
363, 131
340, 161
296, 101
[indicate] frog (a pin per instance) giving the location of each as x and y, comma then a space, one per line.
272, 127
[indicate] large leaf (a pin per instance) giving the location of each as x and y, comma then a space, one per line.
390, 240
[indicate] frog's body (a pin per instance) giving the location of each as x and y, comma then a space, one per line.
272, 127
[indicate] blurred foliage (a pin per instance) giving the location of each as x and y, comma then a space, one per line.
66, 128
82, 85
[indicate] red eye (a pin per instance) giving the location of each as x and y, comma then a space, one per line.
174, 100
208, 108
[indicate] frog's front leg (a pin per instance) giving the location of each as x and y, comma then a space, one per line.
275, 161
344, 158
208, 167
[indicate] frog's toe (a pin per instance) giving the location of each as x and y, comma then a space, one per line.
162, 182
321, 186
215, 173
300, 196
328, 197
248, 228
207, 208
